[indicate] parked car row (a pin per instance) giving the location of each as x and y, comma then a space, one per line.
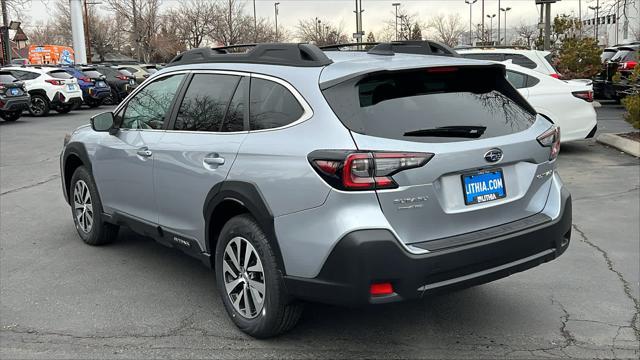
618, 62
39, 89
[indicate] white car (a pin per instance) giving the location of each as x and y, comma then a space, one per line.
568, 104
537, 60
49, 87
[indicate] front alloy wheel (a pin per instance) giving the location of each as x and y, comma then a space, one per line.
83, 207
244, 277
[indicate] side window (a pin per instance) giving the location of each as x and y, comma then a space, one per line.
517, 79
205, 103
234, 120
532, 81
149, 107
521, 60
271, 105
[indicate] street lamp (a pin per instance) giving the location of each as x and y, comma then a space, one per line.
505, 24
596, 17
275, 6
470, 2
396, 6
491, 26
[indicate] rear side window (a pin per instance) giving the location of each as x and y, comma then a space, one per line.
6, 77
271, 105
520, 80
521, 60
484, 56
205, 103
402, 104
59, 74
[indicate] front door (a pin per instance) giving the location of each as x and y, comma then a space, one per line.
123, 165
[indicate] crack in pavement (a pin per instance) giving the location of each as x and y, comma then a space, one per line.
50, 178
566, 335
626, 286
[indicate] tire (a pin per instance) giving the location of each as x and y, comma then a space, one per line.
88, 219
63, 109
93, 103
11, 115
277, 313
112, 99
39, 105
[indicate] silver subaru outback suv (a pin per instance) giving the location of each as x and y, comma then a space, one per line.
342, 177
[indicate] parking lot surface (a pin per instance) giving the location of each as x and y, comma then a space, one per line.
135, 298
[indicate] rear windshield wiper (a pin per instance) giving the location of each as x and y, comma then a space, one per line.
464, 131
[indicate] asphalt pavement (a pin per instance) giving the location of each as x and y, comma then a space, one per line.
135, 298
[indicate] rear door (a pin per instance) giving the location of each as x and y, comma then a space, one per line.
411, 111
199, 148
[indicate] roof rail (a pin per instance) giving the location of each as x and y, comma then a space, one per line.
302, 55
515, 47
419, 47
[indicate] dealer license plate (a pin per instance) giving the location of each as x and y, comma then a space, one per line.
482, 186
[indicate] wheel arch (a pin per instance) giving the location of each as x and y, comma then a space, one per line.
231, 198
74, 156
39, 92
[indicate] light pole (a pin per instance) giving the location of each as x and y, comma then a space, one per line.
396, 6
255, 23
498, 22
596, 17
505, 23
470, 2
491, 26
275, 7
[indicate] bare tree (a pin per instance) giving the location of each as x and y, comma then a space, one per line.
406, 23
527, 34
448, 29
321, 32
231, 24
193, 21
17, 7
142, 18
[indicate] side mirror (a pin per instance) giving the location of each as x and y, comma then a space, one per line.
102, 122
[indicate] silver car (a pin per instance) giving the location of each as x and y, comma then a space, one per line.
343, 177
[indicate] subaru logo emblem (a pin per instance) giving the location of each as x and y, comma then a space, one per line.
493, 155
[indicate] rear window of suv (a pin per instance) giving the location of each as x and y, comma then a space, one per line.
400, 104
625, 54
60, 74
6, 77
92, 73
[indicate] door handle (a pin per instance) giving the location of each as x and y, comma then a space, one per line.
144, 152
215, 160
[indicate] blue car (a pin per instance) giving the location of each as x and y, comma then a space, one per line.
94, 89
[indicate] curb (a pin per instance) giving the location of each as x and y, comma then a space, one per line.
623, 144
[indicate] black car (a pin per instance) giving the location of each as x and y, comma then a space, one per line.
625, 59
122, 82
13, 97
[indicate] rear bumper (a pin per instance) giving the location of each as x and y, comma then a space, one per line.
66, 99
98, 93
364, 257
14, 103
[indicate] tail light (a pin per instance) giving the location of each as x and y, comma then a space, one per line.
378, 289
122, 77
628, 65
584, 95
55, 82
85, 79
349, 170
556, 76
551, 138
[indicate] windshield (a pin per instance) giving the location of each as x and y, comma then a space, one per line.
425, 106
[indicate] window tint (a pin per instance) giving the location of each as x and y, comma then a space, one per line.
234, 120
521, 60
125, 72
6, 77
205, 102
392, 105
25, 75
59, 74
484, 56
532, 81
517, 79
131, 70
271, 105
149, 107
94, 74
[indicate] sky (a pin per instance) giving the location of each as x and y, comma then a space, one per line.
376, 12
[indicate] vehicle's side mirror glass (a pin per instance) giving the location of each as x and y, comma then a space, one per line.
102, 122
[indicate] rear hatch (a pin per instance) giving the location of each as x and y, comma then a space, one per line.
63, 79
97, 78
625, 59
487, 162
9, 85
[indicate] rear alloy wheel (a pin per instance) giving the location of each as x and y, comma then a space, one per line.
250, 280
11, 115
93, 103
39, 105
